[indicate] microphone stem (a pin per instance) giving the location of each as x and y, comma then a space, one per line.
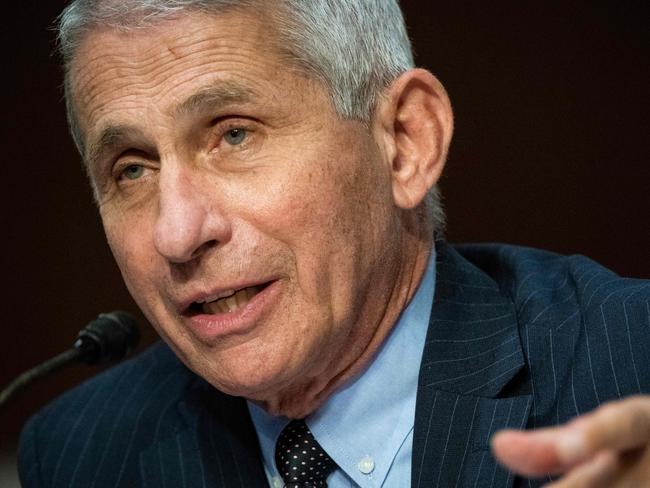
57, 362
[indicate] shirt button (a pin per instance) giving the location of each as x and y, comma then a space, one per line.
366, 465
277, 482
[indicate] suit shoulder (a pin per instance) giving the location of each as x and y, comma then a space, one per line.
584, 330
540, 282
144, 372
101, 416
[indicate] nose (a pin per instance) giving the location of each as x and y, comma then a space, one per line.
189, 220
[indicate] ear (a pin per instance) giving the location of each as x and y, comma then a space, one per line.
415, 122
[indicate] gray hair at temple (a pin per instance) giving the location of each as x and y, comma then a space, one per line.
356, 48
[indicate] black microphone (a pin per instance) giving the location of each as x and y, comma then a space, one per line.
110, 337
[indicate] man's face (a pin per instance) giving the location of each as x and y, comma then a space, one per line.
253, 226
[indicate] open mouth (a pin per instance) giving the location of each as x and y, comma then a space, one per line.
227, 302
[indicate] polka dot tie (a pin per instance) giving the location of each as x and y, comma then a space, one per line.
300, 460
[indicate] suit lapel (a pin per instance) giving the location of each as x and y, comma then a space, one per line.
215, 445
472, 351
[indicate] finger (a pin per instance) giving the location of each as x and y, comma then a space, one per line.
620, 426
531, 453
635, 469
599, 472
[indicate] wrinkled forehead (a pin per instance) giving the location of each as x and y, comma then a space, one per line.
114, 69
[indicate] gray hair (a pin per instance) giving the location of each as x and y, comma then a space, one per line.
356, 48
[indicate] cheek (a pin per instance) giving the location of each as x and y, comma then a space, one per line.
334, 231
132, 249
312, 196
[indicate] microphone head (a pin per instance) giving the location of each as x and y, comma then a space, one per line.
110, 337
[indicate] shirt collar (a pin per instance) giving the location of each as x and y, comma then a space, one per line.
369, 418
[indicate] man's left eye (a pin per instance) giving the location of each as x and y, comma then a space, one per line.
235, 137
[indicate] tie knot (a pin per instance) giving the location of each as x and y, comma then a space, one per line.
300, 460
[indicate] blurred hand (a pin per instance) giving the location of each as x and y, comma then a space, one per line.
609, 448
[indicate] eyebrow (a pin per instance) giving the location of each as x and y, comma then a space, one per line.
110, 137
212, 96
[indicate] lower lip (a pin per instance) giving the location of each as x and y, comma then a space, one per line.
210, 328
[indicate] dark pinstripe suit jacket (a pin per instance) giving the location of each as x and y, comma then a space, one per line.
517, 338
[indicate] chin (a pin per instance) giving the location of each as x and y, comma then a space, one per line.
248, 379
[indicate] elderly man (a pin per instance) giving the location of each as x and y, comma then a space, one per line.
266, 175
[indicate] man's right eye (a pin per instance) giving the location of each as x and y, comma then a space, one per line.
132, 172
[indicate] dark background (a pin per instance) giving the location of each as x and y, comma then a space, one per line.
551, 150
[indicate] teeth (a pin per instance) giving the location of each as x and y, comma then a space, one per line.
214, 298
211, 308
231, 302
241, 297
222, 306
251, 292
228, 303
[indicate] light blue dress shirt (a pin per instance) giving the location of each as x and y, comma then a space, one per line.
366, 427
